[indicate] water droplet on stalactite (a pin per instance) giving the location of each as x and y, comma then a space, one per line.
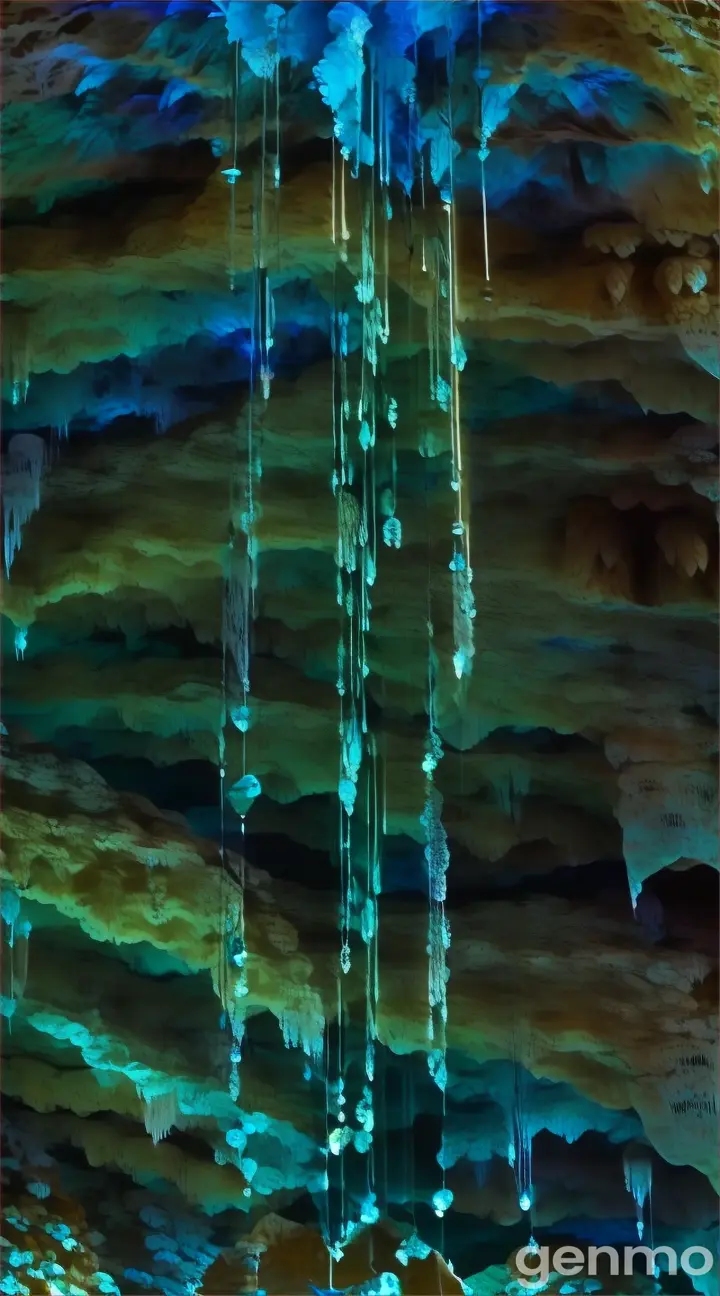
249, 1168
458, 356
347, 793
368, 922
238, 953
369, 1213
442, 1201
240, 717
244, 792
370, 569
339, 1139
635, 890
525, 1201
638, 1181
21, 638
442, 393
367, 436
392, 532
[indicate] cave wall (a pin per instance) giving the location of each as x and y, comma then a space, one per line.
242, 246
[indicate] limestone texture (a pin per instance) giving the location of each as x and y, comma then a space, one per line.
360, 494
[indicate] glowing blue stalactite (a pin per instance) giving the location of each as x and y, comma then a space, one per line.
364, 88
462, 576
520, 1144
21, 640
494, 108
10, 911
233, 173
638, 1182
442, 1201
244, 792
339, 76
18, 929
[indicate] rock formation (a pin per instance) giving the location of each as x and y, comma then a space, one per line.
360, 652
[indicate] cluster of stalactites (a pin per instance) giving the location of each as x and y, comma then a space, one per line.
17, 936
638, 1181
303, 1026
24, 466
161, 1113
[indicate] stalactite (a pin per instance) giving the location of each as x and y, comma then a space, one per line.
21, 639
161, 1112
24, 467
20, 957
460, 565
638, 1181
10, 910
232, 173
520, 1143
494, 108
437, 857
237, 618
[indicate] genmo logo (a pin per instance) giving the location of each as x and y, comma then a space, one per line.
538, 1264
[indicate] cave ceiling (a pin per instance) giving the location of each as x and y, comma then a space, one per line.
359, 473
